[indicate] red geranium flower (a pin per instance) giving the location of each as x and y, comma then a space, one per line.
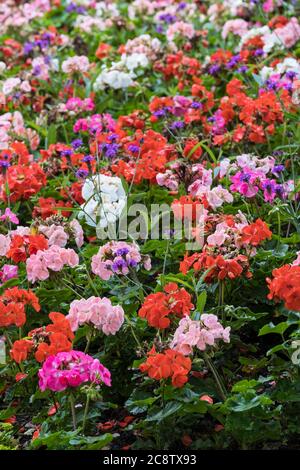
21, 247
285, 286
158, 306
169, 364
256, 233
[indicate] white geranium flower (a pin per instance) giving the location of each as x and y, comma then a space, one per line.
2, 66
10, 84
288, 65
135, 60
105, 199
115, 79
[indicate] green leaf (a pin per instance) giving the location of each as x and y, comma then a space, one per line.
176, 279
54, 441
170, 409
244, 404
7, 413
92, 443
51, 135
271, 328
201, 301
244, 385
279, 347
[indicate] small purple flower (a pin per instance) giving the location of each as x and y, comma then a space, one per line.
81, 173
66, 153
278, 153
88, 158
290, 75
271, 84
72, 7
110, 150
132, 263
76, 144
47, 59
133, 148
258, 52
46, 36
196, 105
113, 137
279, 191
159, 113
4, 164
177, 125
118, 265
288, 86
167, 18
181, 6
122, 251
214, 69
242, 69
278, 169
36, 71
245, 177
28, 48
42, 43
269, 188
233, 61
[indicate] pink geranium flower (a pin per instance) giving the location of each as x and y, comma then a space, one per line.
9, 216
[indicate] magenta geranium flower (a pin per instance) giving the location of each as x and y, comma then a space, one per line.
71, 369
9, 216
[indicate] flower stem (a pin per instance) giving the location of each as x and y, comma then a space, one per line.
221, 299
72, 403
86, 409
132, 331
89, 339
217, 378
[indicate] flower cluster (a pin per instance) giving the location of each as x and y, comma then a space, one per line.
21, 247
230, 241
169, 364
285, 285
98, 312
149, 151
118, 258
70, 370
45, 341
105, 200
59, 232
76, 64
7, 272
200, 334
159, 308
216, 267
12, 306
22, 179
254, 175
40, 265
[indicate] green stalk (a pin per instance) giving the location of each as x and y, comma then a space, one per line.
220, 386
221, 299
72, 403
86, 409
